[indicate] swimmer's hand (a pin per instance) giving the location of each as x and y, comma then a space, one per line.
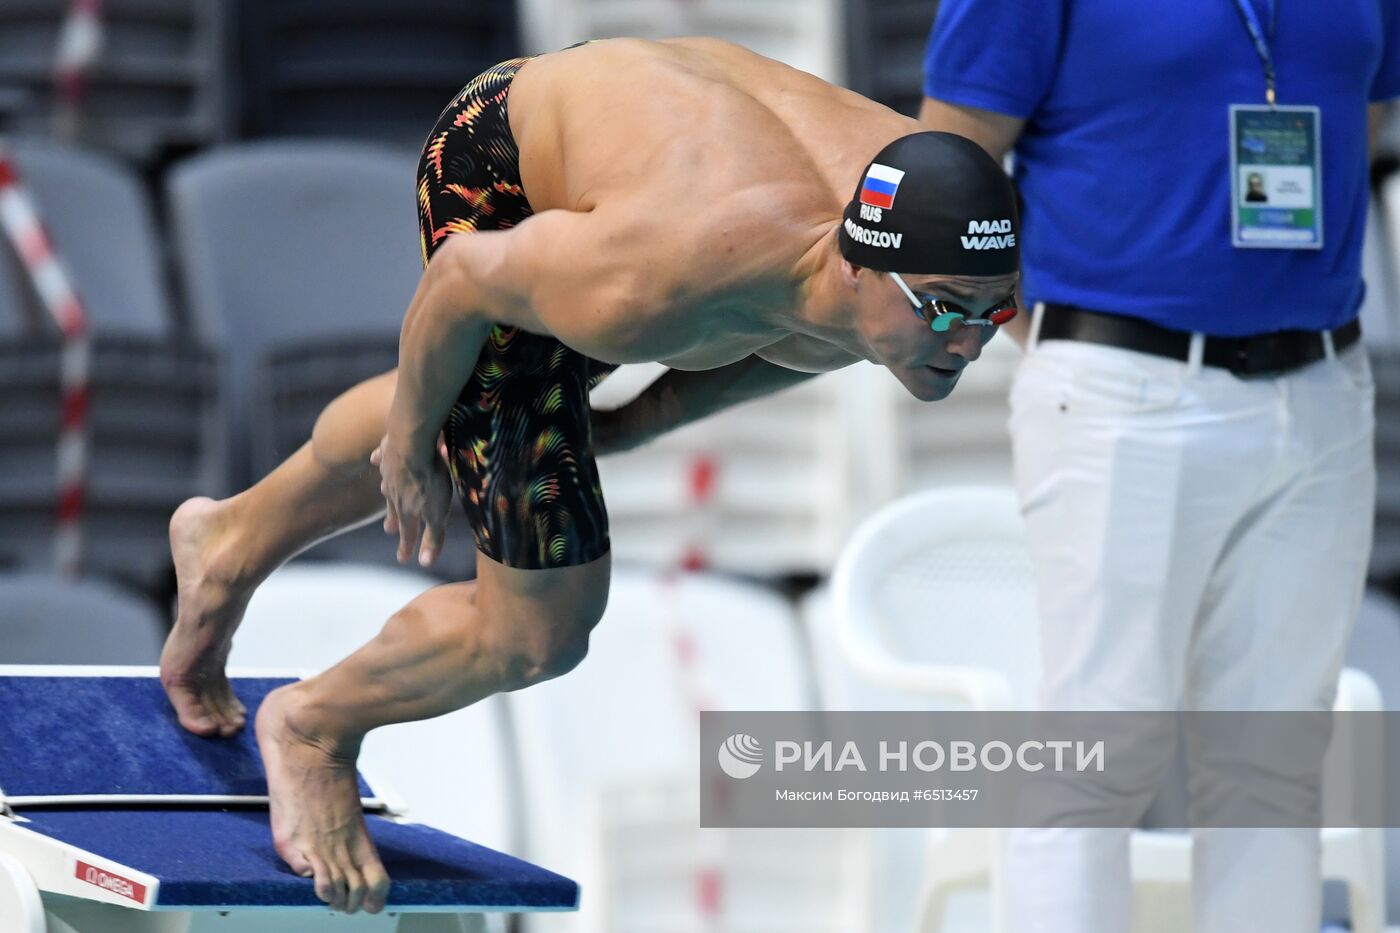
417, 490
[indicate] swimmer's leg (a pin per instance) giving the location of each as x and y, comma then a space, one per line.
223, 549
450, 647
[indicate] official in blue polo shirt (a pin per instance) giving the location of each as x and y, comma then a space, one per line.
1192, 425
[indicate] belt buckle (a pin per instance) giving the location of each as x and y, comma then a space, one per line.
1274, 354
1257, 356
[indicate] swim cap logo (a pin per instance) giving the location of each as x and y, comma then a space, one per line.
878, 238
989, 234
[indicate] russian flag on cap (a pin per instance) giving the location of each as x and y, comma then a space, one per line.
881, 184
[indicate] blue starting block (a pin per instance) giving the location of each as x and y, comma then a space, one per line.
114, 819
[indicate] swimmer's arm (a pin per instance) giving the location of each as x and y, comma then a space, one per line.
544, 276
547, 276
679, 398
443, 332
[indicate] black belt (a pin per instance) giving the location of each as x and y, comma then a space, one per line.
1260, 355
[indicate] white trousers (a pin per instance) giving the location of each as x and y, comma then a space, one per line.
1199, 541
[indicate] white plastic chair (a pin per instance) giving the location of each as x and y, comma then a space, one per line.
453, 772
961, 550
897, 854
610, 775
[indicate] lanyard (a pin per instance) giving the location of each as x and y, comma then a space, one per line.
1261, 44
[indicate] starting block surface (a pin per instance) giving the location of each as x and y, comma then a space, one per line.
117, 738
105, 798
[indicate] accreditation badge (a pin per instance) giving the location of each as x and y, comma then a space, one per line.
1276, 177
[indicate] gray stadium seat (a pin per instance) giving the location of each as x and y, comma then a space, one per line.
152, 443
361, 68
299, 259
288, 243
101, 222
54, 620
297, 381
153, 438
158, 83
15, 306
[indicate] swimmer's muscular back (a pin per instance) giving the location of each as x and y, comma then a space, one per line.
705, 174
696, 116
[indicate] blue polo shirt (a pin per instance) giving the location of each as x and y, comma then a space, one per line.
1124, 163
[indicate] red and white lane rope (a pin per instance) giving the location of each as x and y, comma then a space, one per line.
55, 289
79, 44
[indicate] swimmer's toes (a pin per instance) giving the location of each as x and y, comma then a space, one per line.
375, 878
377, 890
193, 712
296, 860
232, 715
330, 884
354, 888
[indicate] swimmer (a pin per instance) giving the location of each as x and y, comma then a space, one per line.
687, 202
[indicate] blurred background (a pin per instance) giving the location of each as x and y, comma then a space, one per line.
228, 187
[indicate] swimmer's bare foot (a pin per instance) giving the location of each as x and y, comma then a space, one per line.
318, 826
212, 597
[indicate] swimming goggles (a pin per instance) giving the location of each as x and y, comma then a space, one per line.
941, 314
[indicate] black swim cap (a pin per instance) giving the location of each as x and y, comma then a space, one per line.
933, 204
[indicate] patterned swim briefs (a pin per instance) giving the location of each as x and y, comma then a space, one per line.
518, 435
